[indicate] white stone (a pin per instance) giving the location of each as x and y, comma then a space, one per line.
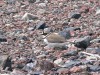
40, 11
58, 61
91, 58
98, 12
28, 17
42, 5
4, 74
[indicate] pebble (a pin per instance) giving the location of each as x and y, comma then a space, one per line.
28, 17
63, 71
47, 30
65, 34
95, 40
71, 64
3, 58
10, 1
71, 53
7, 63
46, 65
91, 58
32, 1
58, 61
75, 69
41, 25
4, 74
83, 42
74, 15
42, 4
17, 72
41, 11
98, 12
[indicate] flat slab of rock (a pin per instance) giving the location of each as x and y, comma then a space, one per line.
28, 17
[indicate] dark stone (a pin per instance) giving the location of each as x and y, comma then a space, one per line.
29, 61
14, 39
82, 56
41, 25
77, 29
71, 53
84, 62
74, 57
60, 48
76, 16
86, 10
3, 40
1, 32
65, 34
82, 42
32, 1
55, 69
20, 66
25, 38
97, 51
7, 63
36, 74
10, 1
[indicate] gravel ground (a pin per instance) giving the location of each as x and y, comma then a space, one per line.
50, 37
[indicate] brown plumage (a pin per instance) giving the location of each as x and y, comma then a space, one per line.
55, 38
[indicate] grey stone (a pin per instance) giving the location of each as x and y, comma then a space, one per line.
93, 50
3, 58
72, 63
94, 68
42, 4
25, 38
10, 1
71, 53
3, 39
65, 34
95, 40
30, 66
32, 1
83, 42
41, 25
84, 62
41, 11
75, 15
47, 30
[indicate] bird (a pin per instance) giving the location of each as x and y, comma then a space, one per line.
54, 40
